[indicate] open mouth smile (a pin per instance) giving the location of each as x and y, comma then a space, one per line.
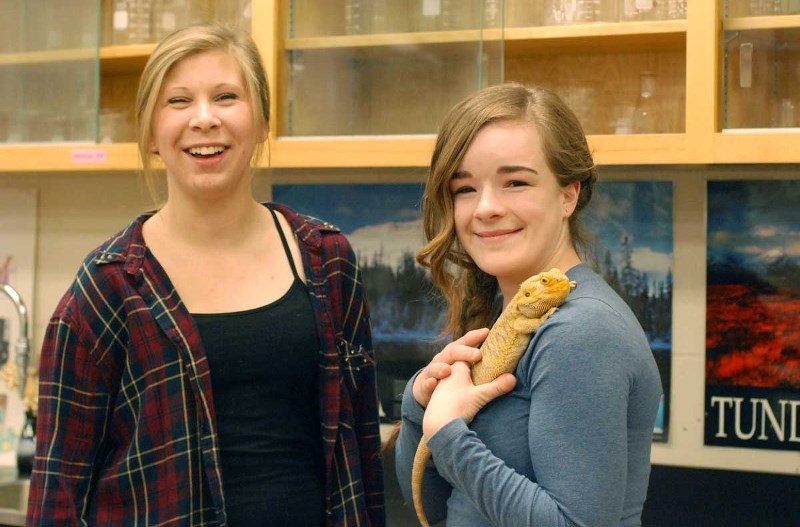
205, 151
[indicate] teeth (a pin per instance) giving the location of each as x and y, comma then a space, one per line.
206, 150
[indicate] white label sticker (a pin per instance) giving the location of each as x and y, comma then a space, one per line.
120, 20
431, 7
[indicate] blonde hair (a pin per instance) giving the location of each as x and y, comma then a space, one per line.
185, 43
470, 293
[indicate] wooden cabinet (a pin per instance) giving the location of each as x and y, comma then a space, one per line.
380, 67
761, 71
48, 78
69, 71
361, 83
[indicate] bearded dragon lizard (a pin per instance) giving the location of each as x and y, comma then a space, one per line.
538, 297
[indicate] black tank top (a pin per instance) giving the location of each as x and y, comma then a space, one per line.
264, 366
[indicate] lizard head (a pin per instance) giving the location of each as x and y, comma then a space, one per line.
541, 292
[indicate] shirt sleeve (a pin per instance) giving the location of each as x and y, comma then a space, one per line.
437, 488
365, 400
73, 408
577, 436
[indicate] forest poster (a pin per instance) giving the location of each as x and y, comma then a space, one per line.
632, 223
753, 315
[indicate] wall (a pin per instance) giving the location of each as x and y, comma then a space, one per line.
79, 211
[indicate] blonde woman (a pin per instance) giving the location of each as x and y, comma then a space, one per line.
212, 363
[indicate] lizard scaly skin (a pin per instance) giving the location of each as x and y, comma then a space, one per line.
538, 297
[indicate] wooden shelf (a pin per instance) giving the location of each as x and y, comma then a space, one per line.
112, 58
356, 151
125, 59
761, 22
756, 146
604, 37
68, 157
334, 152
47, 56
659, 35
392, 39
415, 151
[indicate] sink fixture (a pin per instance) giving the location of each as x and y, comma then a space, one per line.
16, 376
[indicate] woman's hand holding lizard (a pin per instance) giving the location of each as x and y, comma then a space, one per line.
463, 349
457, 397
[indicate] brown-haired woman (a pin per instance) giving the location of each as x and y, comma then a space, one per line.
569, 443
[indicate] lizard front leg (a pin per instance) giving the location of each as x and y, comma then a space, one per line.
528, 326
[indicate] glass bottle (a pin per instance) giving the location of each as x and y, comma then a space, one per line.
645, 118
139, 21
379, 17
247, 14
589, 10
786, 113
559, 12
493, 15
765, 7
169, 15
643, 10
458, 14
164, 18
354, 17
429, 15
55, 17
676, 9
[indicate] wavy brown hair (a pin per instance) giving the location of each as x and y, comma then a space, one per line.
470, 293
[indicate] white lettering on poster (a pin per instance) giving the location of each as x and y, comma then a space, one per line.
777, 421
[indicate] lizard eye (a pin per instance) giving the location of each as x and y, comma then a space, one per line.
544, 280
527, 294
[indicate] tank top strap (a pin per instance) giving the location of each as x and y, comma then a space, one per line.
285, 244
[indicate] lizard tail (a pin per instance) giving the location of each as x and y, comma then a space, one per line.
421, 458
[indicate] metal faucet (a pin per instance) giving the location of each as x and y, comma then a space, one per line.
26, 446
23, 346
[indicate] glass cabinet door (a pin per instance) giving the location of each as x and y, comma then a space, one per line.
48, 70
129, 30
383, 67
353, 67
148, 21
69, 68
619, 64
761, 64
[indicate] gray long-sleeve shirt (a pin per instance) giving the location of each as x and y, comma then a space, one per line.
570, 445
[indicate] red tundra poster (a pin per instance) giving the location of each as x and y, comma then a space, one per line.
753, 315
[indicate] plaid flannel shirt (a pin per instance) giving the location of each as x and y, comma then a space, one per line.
126, 429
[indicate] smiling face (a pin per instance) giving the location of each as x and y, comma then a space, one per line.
203, 127
511, 215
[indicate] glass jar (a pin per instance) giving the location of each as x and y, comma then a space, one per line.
645, 113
